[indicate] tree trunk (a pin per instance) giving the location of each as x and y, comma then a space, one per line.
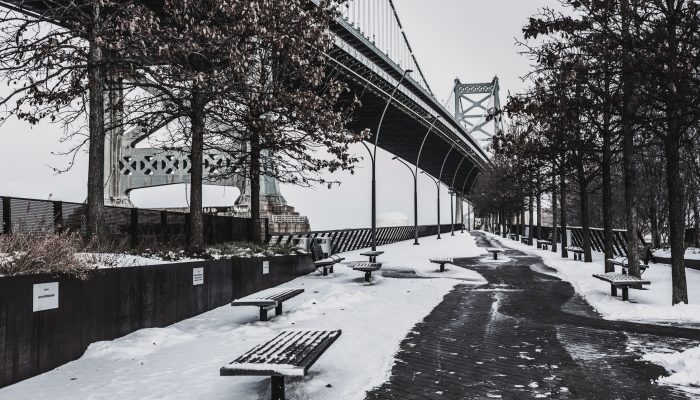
196, 223
95, 178
675, 220
538, 234
654, 219
555, 233
608, 248
254, 228
628, 112
530, 215
562, 207
696, 222
585, 219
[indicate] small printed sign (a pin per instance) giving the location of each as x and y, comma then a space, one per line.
45, 296
197, 276
266, 267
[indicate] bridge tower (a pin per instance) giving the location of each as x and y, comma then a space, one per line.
474, 102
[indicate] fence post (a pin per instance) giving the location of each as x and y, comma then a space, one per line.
134, 227
6, 216
58, 216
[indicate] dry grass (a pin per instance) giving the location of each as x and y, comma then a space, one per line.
45, 252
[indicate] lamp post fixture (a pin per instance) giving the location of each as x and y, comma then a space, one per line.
415, 200
437, 184
374, 160
464, 186
455, 193
452, 212
440, 179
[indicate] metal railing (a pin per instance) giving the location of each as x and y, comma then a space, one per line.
131, 227
353, 239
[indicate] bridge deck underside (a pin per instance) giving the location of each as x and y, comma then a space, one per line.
402, 136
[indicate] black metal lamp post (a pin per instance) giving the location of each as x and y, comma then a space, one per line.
374, 161
452, 212
437, 184
415, 200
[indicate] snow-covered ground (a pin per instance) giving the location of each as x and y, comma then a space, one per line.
646, 306
691, 253
652, 305
182, 361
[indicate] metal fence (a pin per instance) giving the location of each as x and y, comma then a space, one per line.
353, 239
132, 227
596, 234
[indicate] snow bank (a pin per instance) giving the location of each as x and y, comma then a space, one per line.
182, 361
684, 367
652, 305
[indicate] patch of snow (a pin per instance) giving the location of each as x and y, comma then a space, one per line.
683, 367
652, 305
183, 360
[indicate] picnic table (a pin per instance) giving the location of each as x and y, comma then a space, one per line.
544, 243
372, 255
513, 236
367, 268
495, 252
442, 261
291, 353
526, 240
622, 281
268, 300
644, 258
578, 252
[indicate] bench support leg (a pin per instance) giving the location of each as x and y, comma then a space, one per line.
278, 309
277, 387
442, 267
495, 256
325, 271
613, 290
263, 314
625, 293
331, 269
368, 276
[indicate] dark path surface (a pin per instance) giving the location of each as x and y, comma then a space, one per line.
526, 335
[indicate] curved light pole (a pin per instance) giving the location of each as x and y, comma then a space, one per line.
374, 159
440, 179
415, 180
437, 184
464, 185
455, 193
415, 200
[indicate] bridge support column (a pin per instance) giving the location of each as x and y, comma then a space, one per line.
115, 193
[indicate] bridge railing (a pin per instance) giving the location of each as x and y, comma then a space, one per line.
353, 239
596, 234
123, 227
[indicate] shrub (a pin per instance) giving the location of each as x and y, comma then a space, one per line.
45, 252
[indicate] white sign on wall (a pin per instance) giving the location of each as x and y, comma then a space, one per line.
45, 296
197, 276
266, 267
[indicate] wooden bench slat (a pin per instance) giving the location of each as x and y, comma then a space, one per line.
290, 353
621, 279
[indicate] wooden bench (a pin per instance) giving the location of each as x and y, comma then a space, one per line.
578, 252
494, 252
324, 263
544, 243
622, 281
526, 240
372, 255
291, 353
367, 268
644, 258
513, 236
268, 300
442, 261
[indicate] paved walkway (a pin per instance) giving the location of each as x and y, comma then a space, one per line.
526, 335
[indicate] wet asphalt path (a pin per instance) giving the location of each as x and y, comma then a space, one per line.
526, 335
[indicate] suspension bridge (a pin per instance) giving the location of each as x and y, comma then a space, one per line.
373, 55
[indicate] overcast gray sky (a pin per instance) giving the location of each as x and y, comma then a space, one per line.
469, 39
